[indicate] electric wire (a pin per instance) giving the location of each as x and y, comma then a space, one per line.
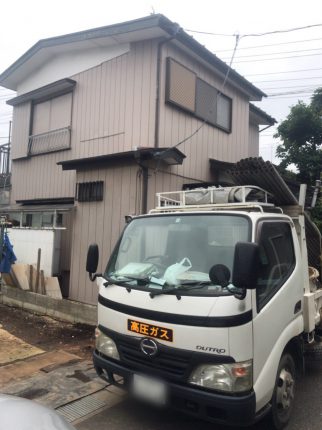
289, 79
267, 33
305, 93
287, 87
285, 71
277, 53
270, 45
277, 58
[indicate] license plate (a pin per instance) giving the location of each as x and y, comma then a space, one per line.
150, 390
150, 330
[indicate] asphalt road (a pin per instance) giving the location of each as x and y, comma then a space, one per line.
131, 416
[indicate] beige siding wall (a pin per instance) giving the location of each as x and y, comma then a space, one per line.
113, 111
20, 130
253, 144
114, 104
210, 141
39, 177
100, 222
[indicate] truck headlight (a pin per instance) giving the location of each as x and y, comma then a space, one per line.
106, 345
232, 377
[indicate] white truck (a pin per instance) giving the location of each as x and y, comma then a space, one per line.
206, 305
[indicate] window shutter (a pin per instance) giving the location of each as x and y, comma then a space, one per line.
181, 85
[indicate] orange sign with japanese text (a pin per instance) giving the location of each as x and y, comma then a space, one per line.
150, 330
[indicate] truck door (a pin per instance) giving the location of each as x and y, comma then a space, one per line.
278, 301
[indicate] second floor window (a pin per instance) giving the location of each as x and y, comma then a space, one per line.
51, 121
197, 97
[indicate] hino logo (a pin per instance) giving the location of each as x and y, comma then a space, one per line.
149, 347
210, 349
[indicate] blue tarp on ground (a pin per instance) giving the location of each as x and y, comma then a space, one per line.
8, 256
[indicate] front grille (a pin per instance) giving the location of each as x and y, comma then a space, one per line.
172, 363
168, 360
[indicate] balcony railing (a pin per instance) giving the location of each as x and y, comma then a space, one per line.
51, 141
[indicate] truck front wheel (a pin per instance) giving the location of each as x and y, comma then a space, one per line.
284, 391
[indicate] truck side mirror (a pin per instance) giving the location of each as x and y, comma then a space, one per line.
92, 260
246, 265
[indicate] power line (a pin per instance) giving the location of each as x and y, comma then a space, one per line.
289, 79
290, 94
209, 33
282, 31
270, 45
277, 53
295, 96
288, 87
287, 71
278, 58
255, 34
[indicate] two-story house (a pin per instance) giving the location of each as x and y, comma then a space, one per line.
105, 118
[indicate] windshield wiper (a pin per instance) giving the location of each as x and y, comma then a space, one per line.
184, 286
110, 281
125, 282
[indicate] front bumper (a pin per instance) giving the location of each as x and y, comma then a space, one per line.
237, 410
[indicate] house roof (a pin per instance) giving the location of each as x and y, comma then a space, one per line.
153, 26
258, 116
162, 154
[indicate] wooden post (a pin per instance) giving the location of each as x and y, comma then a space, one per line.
30, 278
38, 270
42, 282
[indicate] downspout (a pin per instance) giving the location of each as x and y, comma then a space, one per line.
145, 178
175, 29
145, 169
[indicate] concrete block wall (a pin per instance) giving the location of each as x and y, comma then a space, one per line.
66, 310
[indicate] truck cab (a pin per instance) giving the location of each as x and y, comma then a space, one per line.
202, 308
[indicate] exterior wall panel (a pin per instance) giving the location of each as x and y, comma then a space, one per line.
253, 145
113, 104
112, 111
39, 177
100, 222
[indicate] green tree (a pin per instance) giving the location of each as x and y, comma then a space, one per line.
301, 136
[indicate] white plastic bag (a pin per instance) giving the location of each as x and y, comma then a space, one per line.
173, 271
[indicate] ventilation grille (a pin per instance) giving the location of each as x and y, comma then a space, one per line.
89, 191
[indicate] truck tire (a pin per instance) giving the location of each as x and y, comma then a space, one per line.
283, 396
313, 353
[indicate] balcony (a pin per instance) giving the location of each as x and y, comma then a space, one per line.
52, 141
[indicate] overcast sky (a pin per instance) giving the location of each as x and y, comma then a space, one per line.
275, 68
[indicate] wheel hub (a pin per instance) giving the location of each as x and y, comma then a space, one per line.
285, 389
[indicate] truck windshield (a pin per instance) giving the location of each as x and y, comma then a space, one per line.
174, 250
